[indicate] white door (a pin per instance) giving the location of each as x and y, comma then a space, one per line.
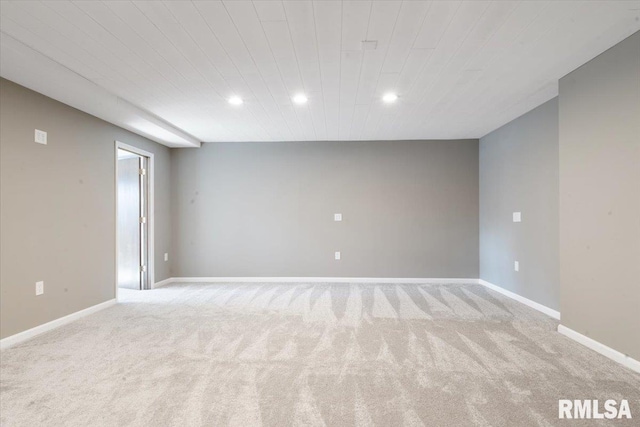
132, 227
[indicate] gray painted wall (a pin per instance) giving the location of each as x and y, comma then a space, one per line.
600, 198
410, 209
519, 173
57, 208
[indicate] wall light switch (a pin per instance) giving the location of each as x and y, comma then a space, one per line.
166, 256
337, 217
337, 255
516, 266
41, 137
39, 288
517, 217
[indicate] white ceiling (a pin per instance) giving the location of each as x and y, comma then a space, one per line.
166, 69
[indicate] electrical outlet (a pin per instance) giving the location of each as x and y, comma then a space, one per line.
517, 217
337, 256
39, 288
166, 256
516, 266
40, 137
337, 217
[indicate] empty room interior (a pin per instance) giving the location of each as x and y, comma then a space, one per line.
320, 213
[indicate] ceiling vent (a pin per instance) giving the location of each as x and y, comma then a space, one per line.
369, 44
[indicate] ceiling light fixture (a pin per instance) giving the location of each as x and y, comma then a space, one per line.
235, 100
300, 98
390, 97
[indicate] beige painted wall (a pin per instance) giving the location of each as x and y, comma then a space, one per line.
410, 209
57, 208
600, 198
519, 173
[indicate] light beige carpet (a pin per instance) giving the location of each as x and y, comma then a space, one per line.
307, 355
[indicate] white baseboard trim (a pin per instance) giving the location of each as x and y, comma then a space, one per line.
163, 282
537, 306
612, 354
30, 333
316, 280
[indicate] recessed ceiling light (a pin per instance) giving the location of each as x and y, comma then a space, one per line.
390, 97
300, 98
235, 100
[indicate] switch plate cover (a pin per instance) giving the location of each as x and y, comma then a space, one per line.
40, 137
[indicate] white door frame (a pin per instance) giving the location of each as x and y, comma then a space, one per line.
151, 214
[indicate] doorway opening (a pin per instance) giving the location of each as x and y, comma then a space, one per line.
134, 218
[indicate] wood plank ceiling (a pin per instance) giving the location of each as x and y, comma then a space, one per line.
460, 68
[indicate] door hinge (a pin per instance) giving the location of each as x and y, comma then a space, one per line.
143, 171
143, 220
143, 268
